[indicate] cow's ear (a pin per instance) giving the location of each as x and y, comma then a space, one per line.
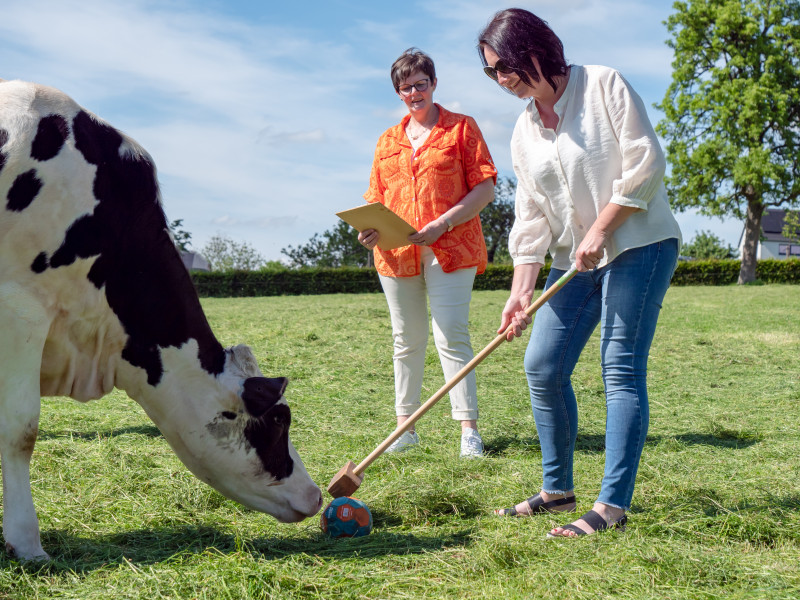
261, 393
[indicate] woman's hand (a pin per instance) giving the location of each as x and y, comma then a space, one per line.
590, 251
514, 319
369, 238
429, 234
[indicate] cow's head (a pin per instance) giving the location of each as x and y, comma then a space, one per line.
237, 438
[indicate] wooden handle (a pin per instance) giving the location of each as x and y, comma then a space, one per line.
401, 429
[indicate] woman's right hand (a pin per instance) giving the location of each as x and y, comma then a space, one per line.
514, 319
368, 238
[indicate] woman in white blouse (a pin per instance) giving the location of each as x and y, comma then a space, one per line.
590, 191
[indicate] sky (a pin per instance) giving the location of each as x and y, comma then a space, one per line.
262, 116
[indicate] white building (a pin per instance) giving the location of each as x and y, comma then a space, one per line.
772, 243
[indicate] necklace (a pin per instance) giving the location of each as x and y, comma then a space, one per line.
424, 129
422, 133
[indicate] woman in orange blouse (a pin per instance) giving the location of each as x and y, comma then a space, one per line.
435, 171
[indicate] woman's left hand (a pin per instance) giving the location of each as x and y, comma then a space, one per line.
590, 251
429, 234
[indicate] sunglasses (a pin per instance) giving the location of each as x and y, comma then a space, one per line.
420, 86
499, 67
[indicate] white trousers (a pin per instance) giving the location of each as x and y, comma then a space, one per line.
449, 295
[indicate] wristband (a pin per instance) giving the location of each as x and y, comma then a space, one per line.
449, 224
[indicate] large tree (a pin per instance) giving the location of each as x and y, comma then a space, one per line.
732, 111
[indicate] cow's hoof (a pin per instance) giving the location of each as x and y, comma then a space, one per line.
35, 556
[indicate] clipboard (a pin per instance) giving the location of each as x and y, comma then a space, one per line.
393, 230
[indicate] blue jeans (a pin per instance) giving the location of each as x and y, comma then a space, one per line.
625, 297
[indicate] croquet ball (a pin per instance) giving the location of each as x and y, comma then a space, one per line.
346, 517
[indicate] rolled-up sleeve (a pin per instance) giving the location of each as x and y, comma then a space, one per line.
643, 160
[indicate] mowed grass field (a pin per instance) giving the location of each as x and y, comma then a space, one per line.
716, 512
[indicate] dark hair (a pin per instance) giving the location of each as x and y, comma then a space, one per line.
516, 34
410, 61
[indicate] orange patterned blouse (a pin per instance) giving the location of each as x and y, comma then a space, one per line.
422, 186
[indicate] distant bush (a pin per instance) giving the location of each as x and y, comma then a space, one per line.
350, 280
726, 272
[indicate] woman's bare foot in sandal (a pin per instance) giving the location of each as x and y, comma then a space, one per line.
602, 516
540, 503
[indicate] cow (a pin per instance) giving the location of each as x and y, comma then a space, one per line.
94, 295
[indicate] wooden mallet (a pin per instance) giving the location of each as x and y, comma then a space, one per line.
350, 476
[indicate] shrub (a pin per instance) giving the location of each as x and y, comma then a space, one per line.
349, 280
726, 272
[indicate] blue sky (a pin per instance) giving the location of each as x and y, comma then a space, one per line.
263, 116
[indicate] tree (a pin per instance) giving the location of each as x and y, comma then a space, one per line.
791, 226
224, 254
707, 245
497, 219
337, 247
733, 111
182, 238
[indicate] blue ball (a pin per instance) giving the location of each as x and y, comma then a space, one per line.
346, 517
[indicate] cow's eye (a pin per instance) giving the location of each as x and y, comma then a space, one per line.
280, 420
229, 415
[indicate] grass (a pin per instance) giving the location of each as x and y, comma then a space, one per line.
716, 511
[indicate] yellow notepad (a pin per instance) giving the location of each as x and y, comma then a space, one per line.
393, 230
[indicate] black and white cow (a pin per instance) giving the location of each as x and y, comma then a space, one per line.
93, 295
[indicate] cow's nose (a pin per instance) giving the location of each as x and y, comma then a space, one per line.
317, 504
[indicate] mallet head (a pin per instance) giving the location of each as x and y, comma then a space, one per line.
345, 482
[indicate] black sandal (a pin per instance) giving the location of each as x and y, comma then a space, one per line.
596, 522
538, 505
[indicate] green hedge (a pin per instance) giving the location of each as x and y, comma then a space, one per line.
286, 282
726, 272
348, 280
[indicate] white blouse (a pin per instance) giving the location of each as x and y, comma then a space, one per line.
603, 150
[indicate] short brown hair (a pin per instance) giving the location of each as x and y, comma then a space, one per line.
410, 61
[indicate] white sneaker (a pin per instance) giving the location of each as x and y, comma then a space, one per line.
471, 444
404, 442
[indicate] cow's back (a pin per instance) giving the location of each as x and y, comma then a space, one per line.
83, 231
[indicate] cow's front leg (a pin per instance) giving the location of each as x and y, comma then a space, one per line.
25, 325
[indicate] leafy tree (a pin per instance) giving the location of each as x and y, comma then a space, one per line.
224, 254
707, 245
182, 238
497, 219
733, 111
337, 247
791, 226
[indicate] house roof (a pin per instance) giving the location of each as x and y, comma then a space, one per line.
194, 261
772, 225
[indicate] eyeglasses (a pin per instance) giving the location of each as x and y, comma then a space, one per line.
420, 86
499, 67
